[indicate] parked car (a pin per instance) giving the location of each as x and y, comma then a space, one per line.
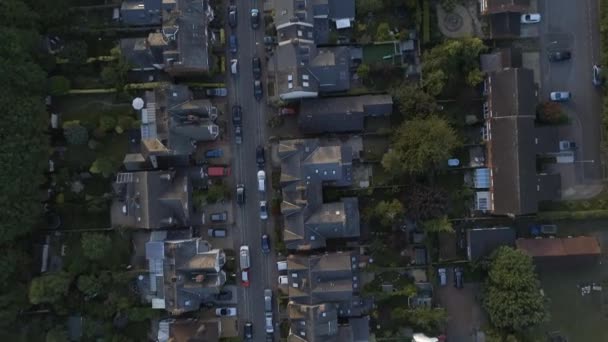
458, 277
225, 312
232, 19
219, 217
256, 67
265, 243
224, 295
261, 181
234, 66
255, 18
268, 321
238, 135
270, 40
214, 153
248, 331
217, 232
233, 43
597, 75
287, 111
560, 96
244, 257
257, 89
557, 56
240, 194
263, 210
218, 171
259, 156
245, 278
217, 92
237, 115
442, 276
268, 300
530, 18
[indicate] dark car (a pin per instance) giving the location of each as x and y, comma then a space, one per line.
232, 20
259, 156
256, 67
240, 194
255, 18
257, 89
224, 295
270, 40
557, 56
458, 277
248, 331
598, 79
237, 114
238, 135
265, 243
214, 153
234, 45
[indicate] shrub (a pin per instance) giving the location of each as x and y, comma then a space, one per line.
107, 123
75, 133
59, 85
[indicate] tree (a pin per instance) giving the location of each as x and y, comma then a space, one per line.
89, 285
420, 145
369, 6
550, 112
388, 212
109, 76
75, 51
438, 225
412, 100
75, 133
363, 71
512, 292
383, 32
49, 288
428, 320
57, 334
59, 85
424, 203
103, 165
96, 246
107, 123
450, 62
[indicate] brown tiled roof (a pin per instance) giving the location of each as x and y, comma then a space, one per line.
580, 245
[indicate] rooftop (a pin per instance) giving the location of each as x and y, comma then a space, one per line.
556, 247
481, 242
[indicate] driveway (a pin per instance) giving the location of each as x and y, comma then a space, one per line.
573, 25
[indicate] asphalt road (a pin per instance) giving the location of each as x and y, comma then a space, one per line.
574, 25
249, 226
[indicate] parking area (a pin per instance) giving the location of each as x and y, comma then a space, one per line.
465, 315
574, 26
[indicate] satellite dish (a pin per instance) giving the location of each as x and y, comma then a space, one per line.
138, 103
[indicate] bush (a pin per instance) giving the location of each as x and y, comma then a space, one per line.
75, 133
59, 85
107, 123
550, 112
383, 32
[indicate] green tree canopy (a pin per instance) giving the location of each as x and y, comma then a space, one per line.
75, 133
368, 6
383, 32
59, 85
419, 145
512, 292
427, 320
49, 288
96, 246
450, 62
363, 71
57, 334
75, 51
438, 225
89, 285
412, 100
388, 211
104, 166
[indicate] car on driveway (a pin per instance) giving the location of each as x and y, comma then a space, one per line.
237, 115
238, 135
597, 75
265, 243
259, 156
233, 42
530, 18
240, 194
225, 312
263, 210
219, 217
248, 331
255, 18
442, 276
256, 67
232, 19
214, 153
284, 111
245, 278
560, 96
257, 89
458, 277
217, 92
558, 56
216, 232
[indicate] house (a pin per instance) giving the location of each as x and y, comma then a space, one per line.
141, 12
152, 199
306, 166
181, 47
512, 145
308, 323
561, 252
183, 274
327, 278
506, 25
342, 114
481, 242
503, 6
501, 58
305, 69
189, 330
175, 121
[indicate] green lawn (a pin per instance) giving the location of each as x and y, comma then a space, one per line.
376, 53
90, 107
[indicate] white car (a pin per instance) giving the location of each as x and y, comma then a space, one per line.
225, 312
560, 96
234, 66
263, 210
442, 276
269, 324
261, 181
530, 18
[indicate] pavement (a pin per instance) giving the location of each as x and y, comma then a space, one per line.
249, 228
574, 25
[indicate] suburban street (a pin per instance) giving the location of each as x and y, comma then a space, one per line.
574, 26
249, 226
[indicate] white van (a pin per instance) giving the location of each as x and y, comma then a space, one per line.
261, 181
244, 257
234, 66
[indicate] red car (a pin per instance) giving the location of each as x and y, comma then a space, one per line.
245, 277
287, 111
